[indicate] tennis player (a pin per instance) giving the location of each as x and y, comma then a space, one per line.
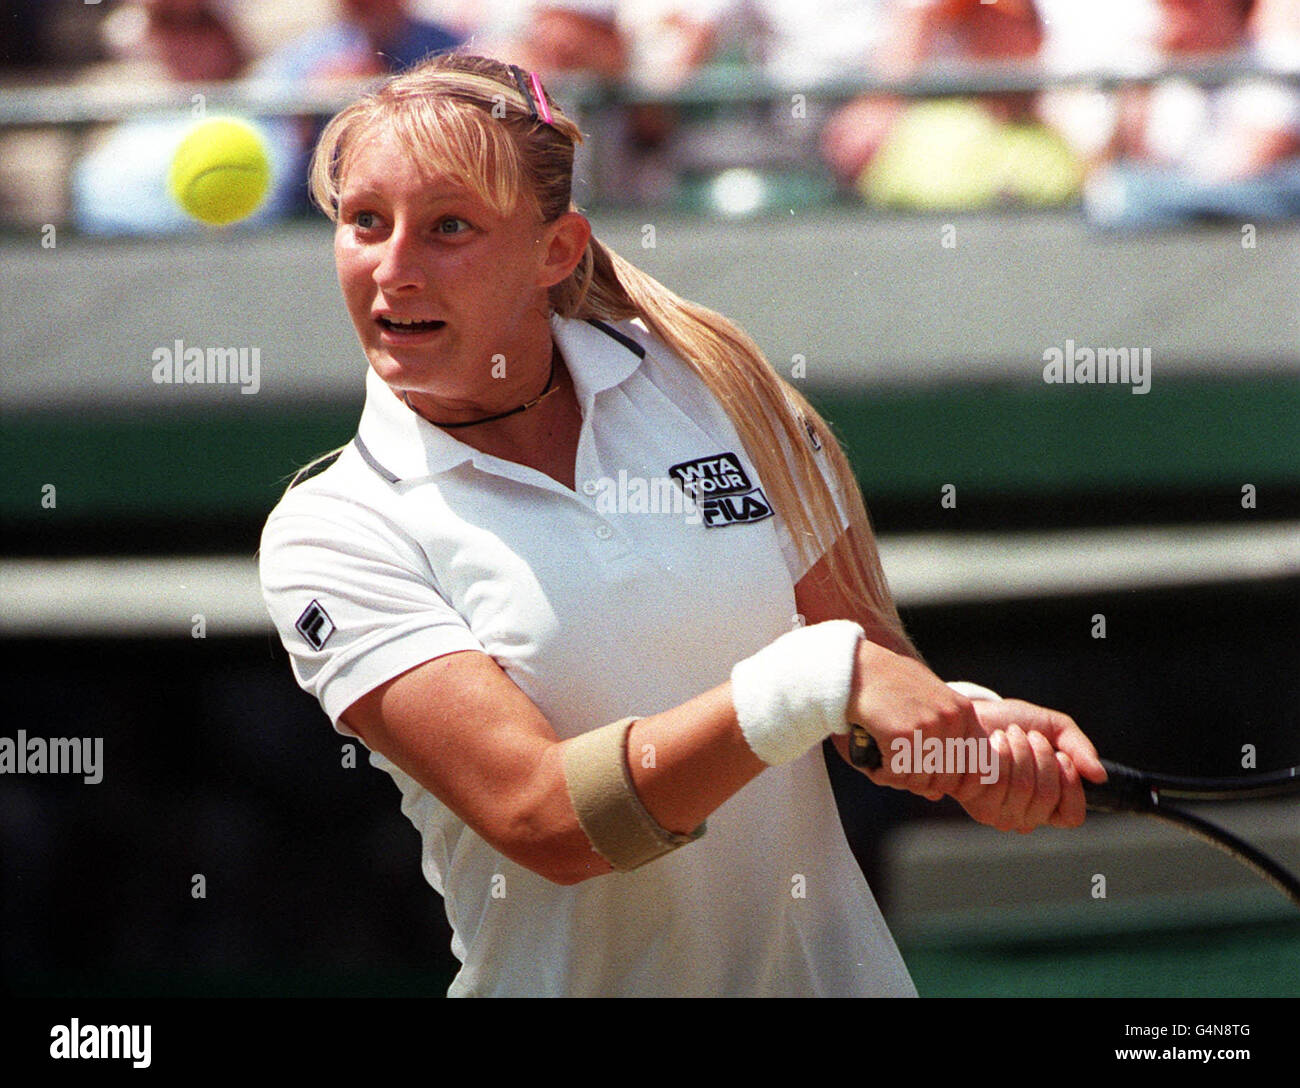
593, 584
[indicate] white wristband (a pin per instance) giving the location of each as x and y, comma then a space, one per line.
794, 693
974, 691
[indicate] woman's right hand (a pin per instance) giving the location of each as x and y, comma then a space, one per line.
893, 696
1041, 754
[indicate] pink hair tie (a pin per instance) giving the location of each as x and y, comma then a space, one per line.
543, 108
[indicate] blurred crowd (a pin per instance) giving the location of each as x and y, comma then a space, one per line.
1146, 153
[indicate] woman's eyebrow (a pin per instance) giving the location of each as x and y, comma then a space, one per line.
435, 195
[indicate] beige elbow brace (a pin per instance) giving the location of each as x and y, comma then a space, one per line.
611, 814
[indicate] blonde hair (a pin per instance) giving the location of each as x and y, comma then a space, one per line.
465, 117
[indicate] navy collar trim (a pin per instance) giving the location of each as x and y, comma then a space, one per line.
450, 450
626, 341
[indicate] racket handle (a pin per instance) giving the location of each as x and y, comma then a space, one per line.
863, 750
1125, 790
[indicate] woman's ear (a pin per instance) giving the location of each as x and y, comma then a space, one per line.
564, 241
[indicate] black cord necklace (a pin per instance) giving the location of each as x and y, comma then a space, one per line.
546, 392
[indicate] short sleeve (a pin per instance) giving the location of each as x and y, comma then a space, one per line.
690, 393
798, 566
354, 603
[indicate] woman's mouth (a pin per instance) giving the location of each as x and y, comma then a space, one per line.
407, 328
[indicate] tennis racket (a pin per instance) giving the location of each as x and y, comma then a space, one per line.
1147, 793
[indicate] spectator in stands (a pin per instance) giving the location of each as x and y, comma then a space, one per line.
182, 40
1180, 152
367, 38
551, 37
119, 187
1100, 36
952, 153
585, 38
930, 154
576, 36
793, 43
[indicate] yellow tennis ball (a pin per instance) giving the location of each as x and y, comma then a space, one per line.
220, 173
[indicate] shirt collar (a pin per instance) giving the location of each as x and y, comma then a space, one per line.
400, 445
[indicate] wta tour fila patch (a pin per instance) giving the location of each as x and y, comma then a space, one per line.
315, 625
721, 489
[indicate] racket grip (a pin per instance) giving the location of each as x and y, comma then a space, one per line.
863, 750
1125, 790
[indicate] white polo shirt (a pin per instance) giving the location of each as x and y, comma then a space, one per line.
613, 599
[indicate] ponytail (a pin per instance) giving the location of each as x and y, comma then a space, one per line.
770, 416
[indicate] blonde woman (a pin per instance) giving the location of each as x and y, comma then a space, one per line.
592, 584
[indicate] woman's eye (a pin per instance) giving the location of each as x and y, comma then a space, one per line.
365, 220
452, 225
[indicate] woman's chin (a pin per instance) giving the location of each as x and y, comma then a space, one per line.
401, 369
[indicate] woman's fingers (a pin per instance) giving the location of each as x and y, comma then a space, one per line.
995, 802
1034, 785
1042, 785
1074, 805
1047, 778
1060, 729
1022, 779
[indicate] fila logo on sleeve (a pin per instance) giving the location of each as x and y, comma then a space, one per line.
722, 490
315, 625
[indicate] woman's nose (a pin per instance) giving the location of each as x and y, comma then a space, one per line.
401, 264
